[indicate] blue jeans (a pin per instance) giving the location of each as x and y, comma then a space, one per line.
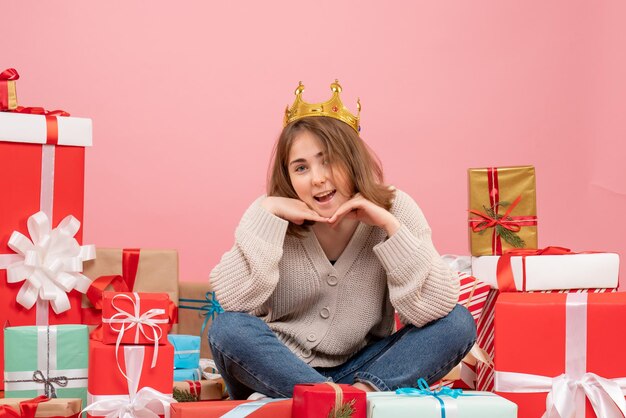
250, 357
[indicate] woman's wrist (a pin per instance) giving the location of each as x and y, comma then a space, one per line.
268, 205
391, 226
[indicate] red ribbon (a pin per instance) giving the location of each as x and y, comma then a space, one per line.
195, 387
484, 221
504, 271
52, 124
9, 74
28, 409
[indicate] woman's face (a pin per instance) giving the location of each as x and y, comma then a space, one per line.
313, 178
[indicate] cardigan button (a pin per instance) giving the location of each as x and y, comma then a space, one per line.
325, 312
311, 337
306, 353
331, 280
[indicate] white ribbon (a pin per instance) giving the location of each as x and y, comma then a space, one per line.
50, 264
128, 320
145, 403
566, 397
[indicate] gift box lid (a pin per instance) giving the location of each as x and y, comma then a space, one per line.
32, 129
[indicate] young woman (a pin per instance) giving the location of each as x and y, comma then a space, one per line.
320, 263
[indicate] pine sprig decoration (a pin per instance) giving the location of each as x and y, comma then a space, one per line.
184, 396
506, 234
346, 410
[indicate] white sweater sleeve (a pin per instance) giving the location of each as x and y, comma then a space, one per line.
422, 287
247, 275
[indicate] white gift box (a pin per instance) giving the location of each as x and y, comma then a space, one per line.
22, 127
551, 272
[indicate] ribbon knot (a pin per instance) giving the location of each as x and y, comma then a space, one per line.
50, 262
49, 382
424, 390
142, 323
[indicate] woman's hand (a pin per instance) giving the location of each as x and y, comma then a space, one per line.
292, 210
369, 213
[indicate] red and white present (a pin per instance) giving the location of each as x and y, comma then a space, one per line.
42, 164
128, 380
548, 268
135, 318
555, 350
486, 334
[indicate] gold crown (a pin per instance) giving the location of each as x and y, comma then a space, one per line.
332, 108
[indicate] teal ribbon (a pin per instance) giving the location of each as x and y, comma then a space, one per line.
424, 390
210, 307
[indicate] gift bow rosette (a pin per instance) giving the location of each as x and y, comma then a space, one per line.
49, 263
143, 403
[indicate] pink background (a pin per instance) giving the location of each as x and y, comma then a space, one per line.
187, 99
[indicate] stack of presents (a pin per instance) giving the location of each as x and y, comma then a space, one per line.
113, 333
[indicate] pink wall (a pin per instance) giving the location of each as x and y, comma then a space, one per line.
187, 100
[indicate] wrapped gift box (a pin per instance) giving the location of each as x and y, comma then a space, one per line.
313, 400
122, 312
272, 408
486, 332
468, 405
197, 308
135, 361
8, 95
186, 350
35, 355
503, 210
547, 272
36, 175
44, 407
180, 375
543, 340
140, 270
202, 390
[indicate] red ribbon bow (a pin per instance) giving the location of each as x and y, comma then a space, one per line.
9, 74
27, 408
504, 271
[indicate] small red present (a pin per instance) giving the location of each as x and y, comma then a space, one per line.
318, 400
135, 318
266, 408
129, 379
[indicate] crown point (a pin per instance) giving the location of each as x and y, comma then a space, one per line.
299, 89
358, 104
336, 87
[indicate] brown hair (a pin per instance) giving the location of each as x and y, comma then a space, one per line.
347, 154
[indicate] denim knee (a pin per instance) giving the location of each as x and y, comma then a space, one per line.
462, 326
227, 327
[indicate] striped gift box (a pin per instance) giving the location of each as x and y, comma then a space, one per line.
484, 378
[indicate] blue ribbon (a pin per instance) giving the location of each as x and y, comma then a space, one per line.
424, 390
209, 307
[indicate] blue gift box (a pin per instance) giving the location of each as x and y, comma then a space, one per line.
180, 375
186, 350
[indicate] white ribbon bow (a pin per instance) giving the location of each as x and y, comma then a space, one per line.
50, 264
145, 403
128, 320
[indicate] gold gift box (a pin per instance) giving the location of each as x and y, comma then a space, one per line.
55, 407
157, 271
507, 185
11, 95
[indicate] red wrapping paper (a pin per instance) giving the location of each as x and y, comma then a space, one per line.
530, 338
106, 379
215, 409
20, 190
112, 302
317, 400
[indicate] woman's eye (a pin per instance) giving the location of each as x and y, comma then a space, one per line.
300, 169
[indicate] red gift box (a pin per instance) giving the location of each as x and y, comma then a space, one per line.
319, 399
135, 318
213, 409
128, 375
486, 331
37, 177
564, 344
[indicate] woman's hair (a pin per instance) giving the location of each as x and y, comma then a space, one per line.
347, 154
